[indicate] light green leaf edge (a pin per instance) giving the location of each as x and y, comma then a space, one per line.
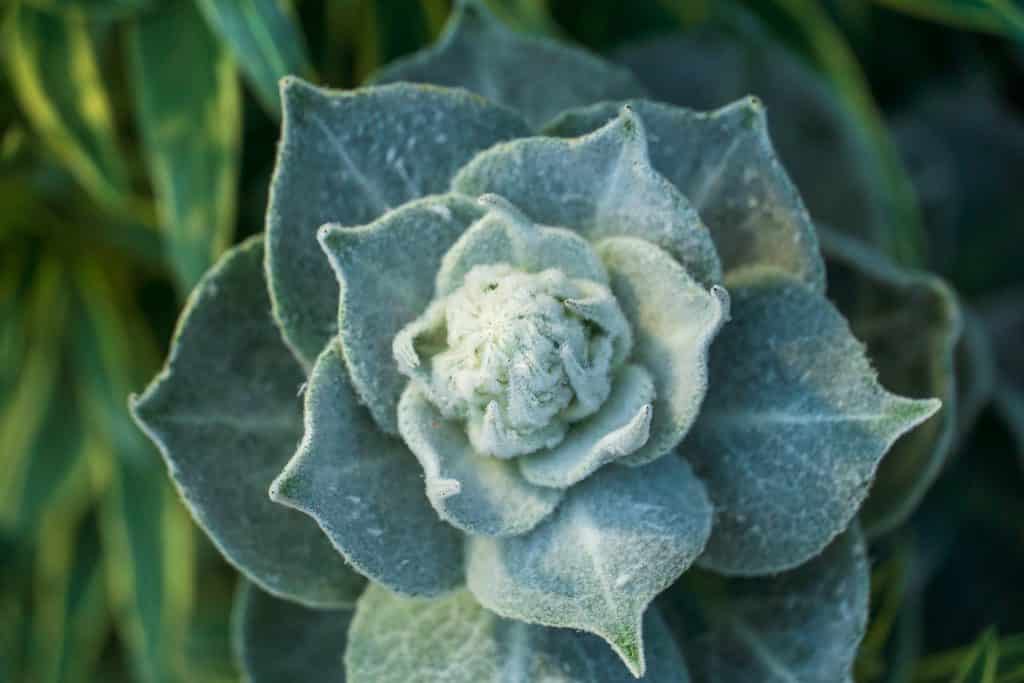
783, 486
190, 115
916, 458
750, 206
453, 639
533, 75
278, 641
291, 557
348, 158
617, 540
265, 39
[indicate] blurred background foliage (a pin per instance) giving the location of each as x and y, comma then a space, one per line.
137, 139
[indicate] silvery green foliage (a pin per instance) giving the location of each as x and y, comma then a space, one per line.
549, 374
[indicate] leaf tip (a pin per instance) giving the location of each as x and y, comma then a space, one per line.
628, 644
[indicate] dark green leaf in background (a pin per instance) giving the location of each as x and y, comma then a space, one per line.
265, 40
52, 63
189, 112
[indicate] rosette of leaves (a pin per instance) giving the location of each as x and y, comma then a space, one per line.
580, 346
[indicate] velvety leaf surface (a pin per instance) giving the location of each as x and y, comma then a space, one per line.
52, 63
612, 434
724, 164
802, 626
347, 158
619, 538
479, 494
535, 76
224, 414
792, 429
601, 185
277, 641
816, 138
911, 323
674, 320
454, 639
386, 273
265, 39
189, 112
365, 490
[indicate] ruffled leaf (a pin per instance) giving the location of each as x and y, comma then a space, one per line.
365, 491
535, 76
386, 272
619, 538
724, 164
674, 320
911, 323
505, 235
348, 157
601, 185
477, 493
792, 429
276, 641
223, 414
803, 626
620, 428
453, 639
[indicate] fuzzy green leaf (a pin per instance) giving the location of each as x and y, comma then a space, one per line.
365, 489
619, 538
224, 414
265, 39
887, 308
453, 639
601, 185
674, 320
536, 76
386, 274
189, 111
52, 63
802, 626
277, 641
792, 429
723, 162
479, 494
348, 158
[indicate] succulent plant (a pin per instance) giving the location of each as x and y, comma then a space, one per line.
560, 350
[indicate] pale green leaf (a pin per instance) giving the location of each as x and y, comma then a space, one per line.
348, 158
386, 274
277, 641
724, 163
619, 538
189, 112
887, 307
479, 494
615, 432
674, 320
802, 626
365, 490
506, 235
224, 413
265, 39
600, 185
792, 429
536, 76
52, 63
453, 639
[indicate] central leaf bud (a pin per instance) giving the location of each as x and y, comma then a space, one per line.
518, 356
